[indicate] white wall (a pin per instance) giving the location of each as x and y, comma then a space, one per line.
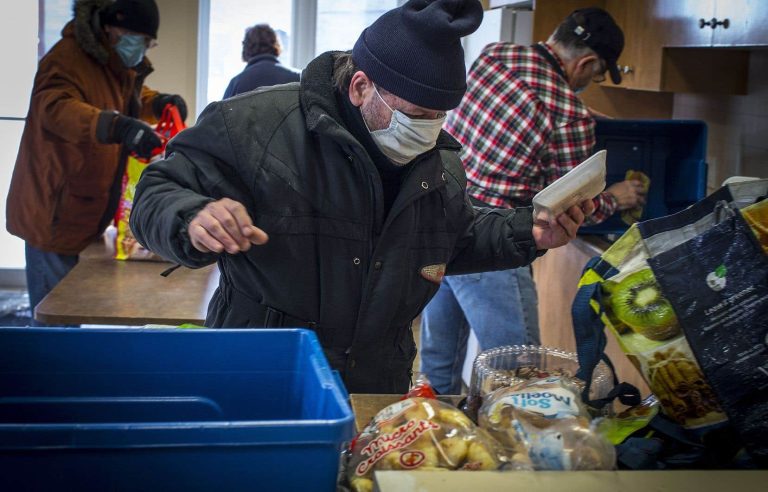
18, 50
175, 58
738, 125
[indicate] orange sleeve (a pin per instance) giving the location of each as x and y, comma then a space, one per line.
58, 101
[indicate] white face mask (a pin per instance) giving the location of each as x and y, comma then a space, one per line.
405, 138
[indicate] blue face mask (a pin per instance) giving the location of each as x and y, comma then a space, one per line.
131, 48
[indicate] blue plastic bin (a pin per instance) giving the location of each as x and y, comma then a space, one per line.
671, 152
144, 409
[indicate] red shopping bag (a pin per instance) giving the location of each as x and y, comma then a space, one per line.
126, 246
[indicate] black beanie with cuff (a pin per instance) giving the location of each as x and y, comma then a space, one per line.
414, 51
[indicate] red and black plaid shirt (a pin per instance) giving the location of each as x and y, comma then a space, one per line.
521, 127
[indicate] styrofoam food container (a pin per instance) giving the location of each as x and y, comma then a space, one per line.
583, 182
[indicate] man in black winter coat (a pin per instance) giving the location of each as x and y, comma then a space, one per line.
350, 191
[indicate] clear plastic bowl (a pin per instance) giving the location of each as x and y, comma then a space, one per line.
512, 364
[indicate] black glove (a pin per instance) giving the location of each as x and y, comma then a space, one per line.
137, 136
159, 102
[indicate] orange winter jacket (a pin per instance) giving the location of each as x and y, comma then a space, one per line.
66, 182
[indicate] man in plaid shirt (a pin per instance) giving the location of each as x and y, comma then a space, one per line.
522, 126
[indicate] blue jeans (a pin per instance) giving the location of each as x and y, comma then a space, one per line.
500, 308
44, 270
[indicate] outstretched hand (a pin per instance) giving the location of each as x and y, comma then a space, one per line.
560, 230
224, 225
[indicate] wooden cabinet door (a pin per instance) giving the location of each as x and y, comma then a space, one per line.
747, 23
640, 61
660, 36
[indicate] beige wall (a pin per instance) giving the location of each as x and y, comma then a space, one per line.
738, 125
175, 58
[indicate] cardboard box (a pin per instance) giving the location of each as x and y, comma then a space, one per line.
583, 481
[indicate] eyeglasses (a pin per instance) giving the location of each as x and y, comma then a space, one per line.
429, 115
599, 74
148, 41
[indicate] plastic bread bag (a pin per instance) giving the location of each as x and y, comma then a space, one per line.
546, 420
423, 434
571, 443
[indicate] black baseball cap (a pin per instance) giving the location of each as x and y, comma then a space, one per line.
596, 28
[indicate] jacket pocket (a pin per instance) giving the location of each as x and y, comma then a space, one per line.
428, 257
81, 207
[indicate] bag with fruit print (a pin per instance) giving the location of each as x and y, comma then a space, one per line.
663, 290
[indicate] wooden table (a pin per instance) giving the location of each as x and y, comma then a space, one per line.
102, 290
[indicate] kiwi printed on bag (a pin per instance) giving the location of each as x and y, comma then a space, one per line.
637, 301
652, 339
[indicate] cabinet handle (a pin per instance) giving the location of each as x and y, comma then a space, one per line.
714, 23
626, 69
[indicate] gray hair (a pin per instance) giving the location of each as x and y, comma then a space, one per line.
343, 70
569, 52
570, 45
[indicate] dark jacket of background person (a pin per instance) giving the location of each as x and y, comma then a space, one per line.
66, 182
334, 262
261, 47
262, 70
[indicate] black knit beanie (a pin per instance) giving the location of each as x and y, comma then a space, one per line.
137, 15
414, 51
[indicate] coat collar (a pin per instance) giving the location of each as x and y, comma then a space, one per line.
262, 58
87, 29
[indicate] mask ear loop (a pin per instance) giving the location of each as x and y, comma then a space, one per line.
382, 99
392, 119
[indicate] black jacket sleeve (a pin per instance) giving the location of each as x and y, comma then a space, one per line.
489, 238
198, 168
